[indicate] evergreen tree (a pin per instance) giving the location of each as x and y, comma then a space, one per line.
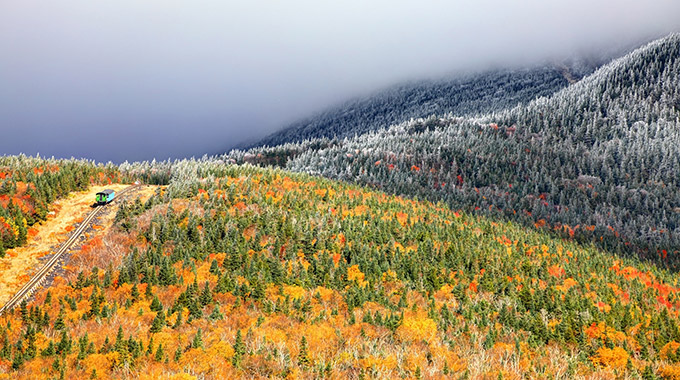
198, 339
178, 320
303, 356
239, 350
159, 353
158, 322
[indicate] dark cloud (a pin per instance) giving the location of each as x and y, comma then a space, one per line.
135, 80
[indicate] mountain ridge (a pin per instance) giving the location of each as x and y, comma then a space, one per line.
472, 93
479, 92
594, 160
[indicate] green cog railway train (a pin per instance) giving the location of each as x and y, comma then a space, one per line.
105, 197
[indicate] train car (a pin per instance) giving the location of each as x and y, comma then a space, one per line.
105, 197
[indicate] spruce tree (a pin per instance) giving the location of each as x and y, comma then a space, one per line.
206, 296
239, 350
198, 339
159, 353
135, 293
303, 357
18, 360
178, 320
158, 322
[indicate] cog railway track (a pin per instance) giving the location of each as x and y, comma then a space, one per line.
39, 278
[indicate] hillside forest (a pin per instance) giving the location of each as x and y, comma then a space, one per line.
595, 162
237, 271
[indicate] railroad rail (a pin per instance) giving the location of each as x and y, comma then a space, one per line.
39, 278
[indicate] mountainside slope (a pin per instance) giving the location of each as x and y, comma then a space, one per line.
596, 161
245, 272
475, 94
29, 186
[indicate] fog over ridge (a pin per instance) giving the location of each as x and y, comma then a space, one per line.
142, 79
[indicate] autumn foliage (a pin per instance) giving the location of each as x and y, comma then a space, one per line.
261, 273
28, 186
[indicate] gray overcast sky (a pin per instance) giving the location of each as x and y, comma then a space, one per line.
138, 79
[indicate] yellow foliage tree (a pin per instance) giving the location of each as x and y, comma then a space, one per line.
615, 357
355, 274
417, 329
